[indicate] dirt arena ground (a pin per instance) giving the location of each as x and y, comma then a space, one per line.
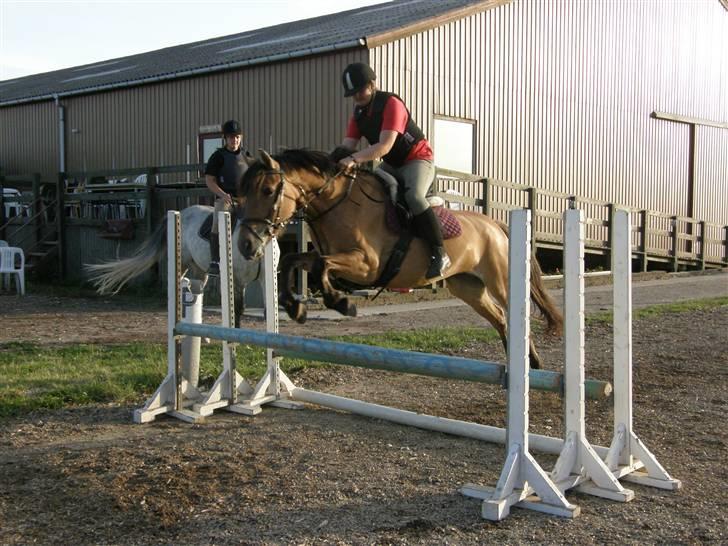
89, 476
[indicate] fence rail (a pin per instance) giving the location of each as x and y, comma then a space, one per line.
656, 237
141, 196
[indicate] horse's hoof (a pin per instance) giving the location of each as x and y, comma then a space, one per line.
302, 315
297, 311
346, 309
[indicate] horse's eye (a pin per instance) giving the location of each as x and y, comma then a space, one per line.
267, 191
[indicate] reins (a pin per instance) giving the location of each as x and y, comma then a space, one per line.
274, 223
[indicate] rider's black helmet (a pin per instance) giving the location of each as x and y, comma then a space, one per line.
231, 127
355, 77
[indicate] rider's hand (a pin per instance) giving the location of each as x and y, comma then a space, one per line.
348, 163
227, 198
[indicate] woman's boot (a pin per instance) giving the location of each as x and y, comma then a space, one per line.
428, 227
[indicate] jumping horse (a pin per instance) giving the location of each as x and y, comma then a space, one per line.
346, 215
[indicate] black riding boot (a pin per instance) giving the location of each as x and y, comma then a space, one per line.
214, 268
428, 227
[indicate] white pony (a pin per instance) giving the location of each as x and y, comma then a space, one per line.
110, 277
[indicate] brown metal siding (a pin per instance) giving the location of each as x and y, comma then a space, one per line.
562, 93
297, 103
29, 139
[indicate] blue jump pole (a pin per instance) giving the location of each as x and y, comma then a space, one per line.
379, 358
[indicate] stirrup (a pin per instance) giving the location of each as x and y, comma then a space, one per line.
438, 266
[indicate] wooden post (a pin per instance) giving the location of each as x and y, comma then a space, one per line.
610, 229
725, 245
37, 220
151, 183
3, 219
302, 239
532, 194
61, 224
703, 240
486, 196
674, 243
643, 238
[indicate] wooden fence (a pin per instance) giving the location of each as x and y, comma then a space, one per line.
71, 227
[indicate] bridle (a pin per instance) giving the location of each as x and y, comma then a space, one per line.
273, 223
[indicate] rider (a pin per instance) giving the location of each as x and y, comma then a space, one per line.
223, 171
384, 120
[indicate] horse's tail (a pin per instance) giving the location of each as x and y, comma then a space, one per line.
539, 295
110, 277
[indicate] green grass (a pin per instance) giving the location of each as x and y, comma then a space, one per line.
36, 377
663, 309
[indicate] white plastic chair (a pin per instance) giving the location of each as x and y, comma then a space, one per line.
12, 262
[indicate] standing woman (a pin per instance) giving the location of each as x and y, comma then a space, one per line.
384, 120
223, 171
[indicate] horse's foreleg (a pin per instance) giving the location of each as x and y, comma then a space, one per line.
356, 267
308, 261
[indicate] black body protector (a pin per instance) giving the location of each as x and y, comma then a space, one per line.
371, 125
233, 169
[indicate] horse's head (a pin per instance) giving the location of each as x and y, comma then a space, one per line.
269, 201
274, 188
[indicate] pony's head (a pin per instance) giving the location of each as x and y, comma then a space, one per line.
273, 189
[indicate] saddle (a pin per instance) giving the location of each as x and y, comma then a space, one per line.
399, 217
206, 228
399, 221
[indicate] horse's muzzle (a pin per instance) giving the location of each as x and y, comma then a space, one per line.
251, 245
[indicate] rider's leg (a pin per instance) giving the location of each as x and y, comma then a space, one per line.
418, 177
214, 268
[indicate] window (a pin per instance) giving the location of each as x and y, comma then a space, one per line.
454, 143
209, 140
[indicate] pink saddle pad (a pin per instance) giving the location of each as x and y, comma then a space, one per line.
450, 225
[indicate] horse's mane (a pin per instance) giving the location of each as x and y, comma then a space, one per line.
295, 159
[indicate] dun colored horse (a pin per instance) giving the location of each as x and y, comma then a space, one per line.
346, 215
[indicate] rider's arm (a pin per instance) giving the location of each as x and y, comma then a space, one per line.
394, 122
212, 175
213, 186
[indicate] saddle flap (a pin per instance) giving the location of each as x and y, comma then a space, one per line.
206, 228
390, 183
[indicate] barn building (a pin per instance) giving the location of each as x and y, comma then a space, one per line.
623, 102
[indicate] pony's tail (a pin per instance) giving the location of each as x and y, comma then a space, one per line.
539, 295
110, 277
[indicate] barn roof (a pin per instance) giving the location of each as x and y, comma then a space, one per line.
362, 27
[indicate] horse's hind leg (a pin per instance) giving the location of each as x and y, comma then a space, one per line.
474, 292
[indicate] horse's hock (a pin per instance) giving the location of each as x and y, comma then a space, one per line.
593, 470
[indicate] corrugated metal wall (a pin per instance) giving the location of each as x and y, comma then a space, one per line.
562, 92
298, 103
29, 139
289, 104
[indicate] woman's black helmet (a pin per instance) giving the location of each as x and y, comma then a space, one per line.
231, 127
356, 76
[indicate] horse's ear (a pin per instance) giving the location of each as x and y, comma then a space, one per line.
268, 161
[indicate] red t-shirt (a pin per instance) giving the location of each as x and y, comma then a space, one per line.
394, 118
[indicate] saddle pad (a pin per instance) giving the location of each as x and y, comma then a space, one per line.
450, 225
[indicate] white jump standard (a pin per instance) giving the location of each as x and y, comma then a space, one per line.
589, 469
